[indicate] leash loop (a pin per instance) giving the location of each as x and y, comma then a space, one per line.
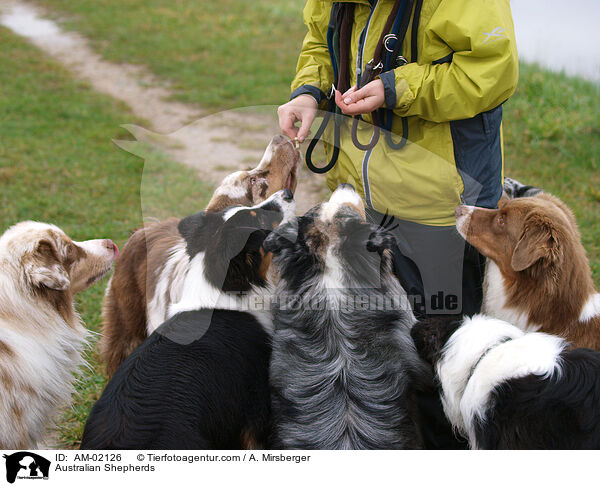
342, 18
331, 106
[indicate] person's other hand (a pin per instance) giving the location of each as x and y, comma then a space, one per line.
303, 108
362, 101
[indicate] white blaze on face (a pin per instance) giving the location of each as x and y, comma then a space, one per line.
344, 195
96, 247
464, 220
232, 187
94, 264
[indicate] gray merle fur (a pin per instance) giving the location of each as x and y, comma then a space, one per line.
341, 379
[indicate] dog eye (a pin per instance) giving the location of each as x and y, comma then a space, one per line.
252, 180
501, 220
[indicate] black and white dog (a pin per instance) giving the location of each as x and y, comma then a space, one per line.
506, 389
200, 381
513, 189
344, 366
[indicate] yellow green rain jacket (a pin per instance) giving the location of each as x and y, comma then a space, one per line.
451, 95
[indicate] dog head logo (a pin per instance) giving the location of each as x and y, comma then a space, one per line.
26, 465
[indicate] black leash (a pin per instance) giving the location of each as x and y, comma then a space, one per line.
338, 38
373, 69
319, 133
338, 34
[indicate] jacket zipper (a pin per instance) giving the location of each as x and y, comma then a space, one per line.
362, 40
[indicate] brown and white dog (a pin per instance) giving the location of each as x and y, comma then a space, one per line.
41, 336
145, 280
538, 276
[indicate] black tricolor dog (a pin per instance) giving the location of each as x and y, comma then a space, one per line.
505, 389
344, 366
200, 381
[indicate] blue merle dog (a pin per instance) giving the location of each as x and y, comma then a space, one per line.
344, 368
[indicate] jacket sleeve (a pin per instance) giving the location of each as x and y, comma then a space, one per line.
483, 68
314, 73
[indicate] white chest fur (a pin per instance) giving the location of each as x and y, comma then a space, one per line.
591, 308
495, 300
39, 380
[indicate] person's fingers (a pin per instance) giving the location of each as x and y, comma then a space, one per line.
360, 107
351, 90
364, 100
287, 118
358, 94
341, 102
308, 117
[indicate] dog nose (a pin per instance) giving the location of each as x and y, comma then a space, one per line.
111, 246
346, 185
459, 211
287, 195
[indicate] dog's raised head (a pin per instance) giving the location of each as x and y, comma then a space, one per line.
276, 171
523, 234
333, 243
39, 260
231, 241
46, 258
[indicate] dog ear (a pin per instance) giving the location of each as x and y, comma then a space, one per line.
197, 229
191, 227
538, 241
44, 268
380, 240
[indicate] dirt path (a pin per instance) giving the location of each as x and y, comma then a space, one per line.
215, 145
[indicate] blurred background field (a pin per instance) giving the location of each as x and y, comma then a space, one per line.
58, 162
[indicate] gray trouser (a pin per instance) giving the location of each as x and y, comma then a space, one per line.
441, 273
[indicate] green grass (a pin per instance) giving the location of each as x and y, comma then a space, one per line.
220, 54
58, 164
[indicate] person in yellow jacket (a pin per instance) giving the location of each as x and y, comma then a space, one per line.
444, 94
442, 75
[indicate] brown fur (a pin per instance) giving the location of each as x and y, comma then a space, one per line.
6, 350
62, 301
138, 268
544, 266
6, 379
132, 285
265, 264
250, 441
